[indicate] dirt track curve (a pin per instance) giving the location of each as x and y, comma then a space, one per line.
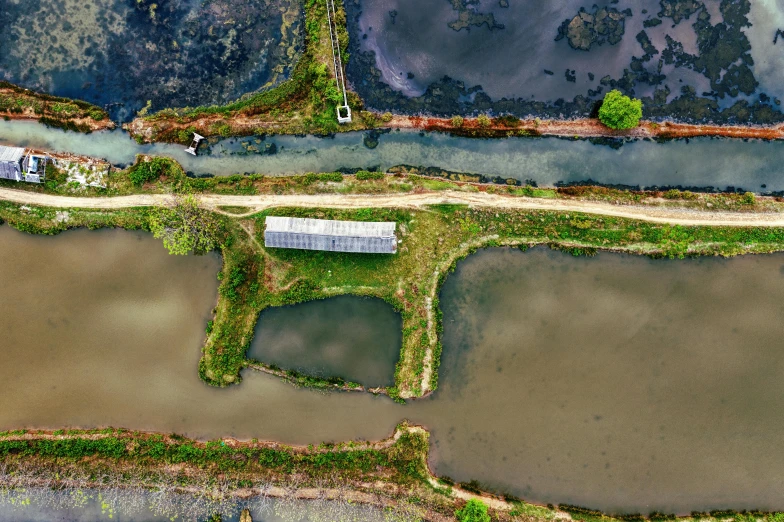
476, 199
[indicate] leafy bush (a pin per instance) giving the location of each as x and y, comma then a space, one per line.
619, 111
457, 121
508, 121
474, 511
331, 176
185, 227
145, 171
363, 175
483, 120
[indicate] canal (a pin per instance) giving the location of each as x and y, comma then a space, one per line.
703, 162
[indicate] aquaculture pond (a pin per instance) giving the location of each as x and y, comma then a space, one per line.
123, 54
616, 382
688, 59
704, 162
356, 339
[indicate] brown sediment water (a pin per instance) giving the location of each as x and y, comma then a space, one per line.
616, 382
355, 338
105, 328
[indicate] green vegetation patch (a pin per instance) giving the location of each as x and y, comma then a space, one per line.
54, 111
619, 111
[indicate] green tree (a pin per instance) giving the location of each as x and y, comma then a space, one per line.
619, 111
474, 511
185, 227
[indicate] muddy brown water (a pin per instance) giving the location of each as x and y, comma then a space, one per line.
617, 382
350, 337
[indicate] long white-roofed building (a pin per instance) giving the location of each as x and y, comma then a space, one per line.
333, 236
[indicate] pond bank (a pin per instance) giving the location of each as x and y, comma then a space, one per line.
582, 128
17, 103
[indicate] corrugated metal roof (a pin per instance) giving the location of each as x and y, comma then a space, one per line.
11, 153
364, 245
326, 227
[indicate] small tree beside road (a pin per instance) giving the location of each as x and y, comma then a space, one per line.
185, 227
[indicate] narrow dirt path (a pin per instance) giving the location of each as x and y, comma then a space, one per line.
674, 216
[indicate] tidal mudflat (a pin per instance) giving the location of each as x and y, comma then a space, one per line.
617, 382
690, 60
123, 54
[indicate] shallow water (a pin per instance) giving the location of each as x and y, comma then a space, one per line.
123, 53
616, 382
704, 162
506, 56
357, 339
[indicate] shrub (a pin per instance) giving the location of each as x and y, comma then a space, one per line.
337, 177
363, 175
474, 511
619, 111
483, 120
508, 121
457, 121
386, 117
145, 171
748, 198
185, 227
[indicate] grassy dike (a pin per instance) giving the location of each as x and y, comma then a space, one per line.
214, 475
54, 111
390, 473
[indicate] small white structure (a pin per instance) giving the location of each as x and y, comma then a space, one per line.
344, 111
334, 236
18, 165
194, 144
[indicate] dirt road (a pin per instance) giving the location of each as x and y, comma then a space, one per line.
473, 199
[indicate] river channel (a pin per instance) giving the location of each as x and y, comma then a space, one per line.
618, 382
704, 162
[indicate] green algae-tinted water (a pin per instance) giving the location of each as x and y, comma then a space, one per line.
616, 382
354, 338
123, 53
